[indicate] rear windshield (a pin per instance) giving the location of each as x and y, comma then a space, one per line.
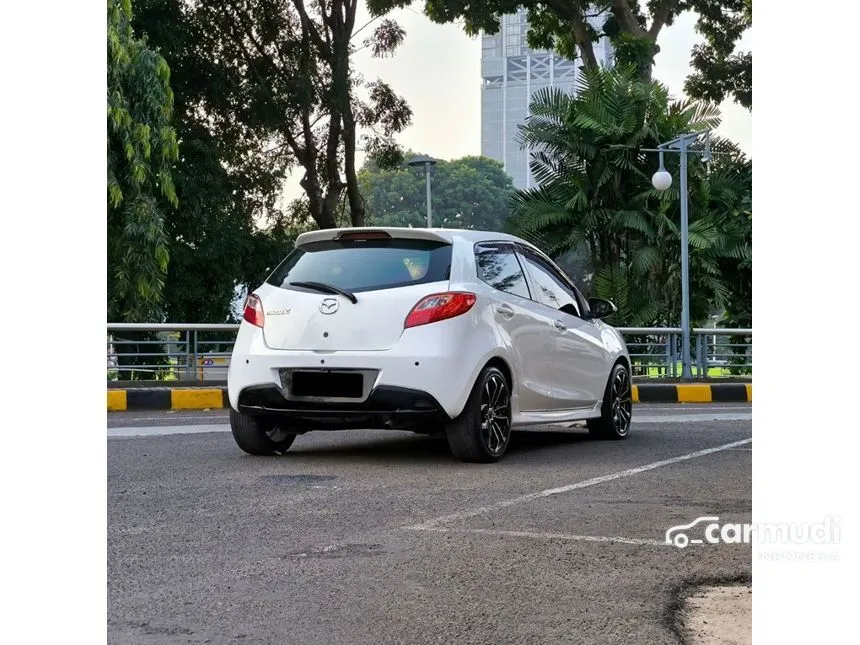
357, 265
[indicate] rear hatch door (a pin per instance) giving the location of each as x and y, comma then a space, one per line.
381, 279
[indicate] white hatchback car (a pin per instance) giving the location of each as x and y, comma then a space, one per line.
469, 332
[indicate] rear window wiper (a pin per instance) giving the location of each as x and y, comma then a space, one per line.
325, 288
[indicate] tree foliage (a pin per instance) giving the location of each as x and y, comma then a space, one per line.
719, 73
471, 192
141, 149
288, 65
226, 182
571, 27
596, 200
259, 90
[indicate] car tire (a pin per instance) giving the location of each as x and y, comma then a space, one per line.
617, 408
482, 431
259, 435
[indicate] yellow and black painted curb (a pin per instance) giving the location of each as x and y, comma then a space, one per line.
692, 393
167, 398
204, 398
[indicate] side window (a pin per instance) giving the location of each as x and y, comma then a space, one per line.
498, 267
551, 288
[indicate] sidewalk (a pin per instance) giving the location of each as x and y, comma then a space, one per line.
719, 616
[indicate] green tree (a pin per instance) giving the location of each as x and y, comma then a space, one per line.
571, 27
255, 97
718, 72
595, 197
736, 272
289, 65
226, 180
141, 149
471, 192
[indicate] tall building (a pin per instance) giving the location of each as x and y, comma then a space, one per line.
511, 74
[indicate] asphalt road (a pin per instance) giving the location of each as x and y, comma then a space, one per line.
381, 537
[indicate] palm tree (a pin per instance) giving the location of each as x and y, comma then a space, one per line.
595, 196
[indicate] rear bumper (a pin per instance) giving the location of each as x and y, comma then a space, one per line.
441, 360
387, 407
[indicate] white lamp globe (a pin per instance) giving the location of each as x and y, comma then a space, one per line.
661, 180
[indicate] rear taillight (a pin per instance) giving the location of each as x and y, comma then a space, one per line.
439, 306
254, 310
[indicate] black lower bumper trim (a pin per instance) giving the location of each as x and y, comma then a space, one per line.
387, 407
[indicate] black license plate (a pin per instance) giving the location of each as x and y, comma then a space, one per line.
349, 385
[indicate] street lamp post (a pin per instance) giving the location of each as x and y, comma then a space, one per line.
427, 163
661, 180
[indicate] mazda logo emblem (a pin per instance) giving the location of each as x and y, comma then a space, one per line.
329, 306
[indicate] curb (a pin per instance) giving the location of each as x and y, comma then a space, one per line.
166, 398
201, 398
693, 393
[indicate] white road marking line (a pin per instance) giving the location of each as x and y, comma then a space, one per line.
684, 418
680, 407
544, 536
462, 515
170, 417
158, 431
668, 418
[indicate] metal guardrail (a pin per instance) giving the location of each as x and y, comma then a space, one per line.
655, 352
170, 352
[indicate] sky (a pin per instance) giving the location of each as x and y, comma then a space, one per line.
437, 70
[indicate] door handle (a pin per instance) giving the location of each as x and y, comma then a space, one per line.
559, 325
505, 311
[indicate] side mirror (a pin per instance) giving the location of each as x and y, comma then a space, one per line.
601, 308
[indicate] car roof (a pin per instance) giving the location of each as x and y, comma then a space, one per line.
436, 234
